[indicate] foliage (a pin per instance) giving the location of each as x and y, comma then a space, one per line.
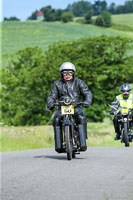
104, 19
67, 17
27, 79
107, 18
33, 16
100, 21
11, 19
80, 20
49, 13
88, 17
99, 6
126, 8
23, 101
79, 8
58, 14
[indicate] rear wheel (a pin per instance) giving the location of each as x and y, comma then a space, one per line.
125, 135
68, 143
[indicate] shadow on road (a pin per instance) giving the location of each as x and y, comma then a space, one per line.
60, 157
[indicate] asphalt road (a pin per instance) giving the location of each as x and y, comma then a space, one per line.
100, 173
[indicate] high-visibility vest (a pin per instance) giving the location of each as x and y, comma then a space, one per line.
125, 102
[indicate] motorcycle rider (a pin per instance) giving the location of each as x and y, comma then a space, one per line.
125, 99
74, 88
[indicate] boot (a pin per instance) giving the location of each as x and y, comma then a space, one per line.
117, 137
117, 130
82, 136
57, 137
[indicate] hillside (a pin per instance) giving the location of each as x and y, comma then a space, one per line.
123, 22
18, 35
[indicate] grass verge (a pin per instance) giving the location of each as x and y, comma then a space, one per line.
33, 137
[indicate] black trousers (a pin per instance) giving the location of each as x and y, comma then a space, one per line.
79, 117
116, 124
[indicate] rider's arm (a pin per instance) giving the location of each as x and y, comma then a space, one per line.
116, 105
53, 96
86, 93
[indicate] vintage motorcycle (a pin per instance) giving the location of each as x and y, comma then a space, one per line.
125, 116
70, 135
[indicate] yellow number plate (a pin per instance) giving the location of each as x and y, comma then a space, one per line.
124, 110
67, 110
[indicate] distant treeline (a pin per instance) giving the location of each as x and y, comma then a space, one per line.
79, 9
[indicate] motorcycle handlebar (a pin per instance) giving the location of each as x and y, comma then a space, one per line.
112, 107
76, 104
130, 109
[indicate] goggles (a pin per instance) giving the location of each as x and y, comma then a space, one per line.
65, 73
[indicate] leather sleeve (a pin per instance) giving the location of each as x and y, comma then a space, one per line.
86, 93
116, 105
53, 94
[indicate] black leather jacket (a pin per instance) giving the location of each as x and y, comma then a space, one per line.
74, 89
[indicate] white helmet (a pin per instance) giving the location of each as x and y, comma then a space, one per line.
67, 66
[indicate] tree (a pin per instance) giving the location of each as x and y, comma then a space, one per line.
33, 16
104, 19
120, 9
11, 19
58, 14
99, 6
107, 18
67, 17
129, 6
100, 21
112, 8
79, 8
49, 13
88, 16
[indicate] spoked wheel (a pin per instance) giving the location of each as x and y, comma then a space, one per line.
125, 135
68, 143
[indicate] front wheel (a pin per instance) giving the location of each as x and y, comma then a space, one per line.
68, 143
125, 135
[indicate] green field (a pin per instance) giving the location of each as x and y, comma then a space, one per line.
33, 137
18, 35
125, 21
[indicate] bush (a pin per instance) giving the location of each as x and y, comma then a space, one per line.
67, 17
100, 21
88, 17
104, 19
28, 78
81, 20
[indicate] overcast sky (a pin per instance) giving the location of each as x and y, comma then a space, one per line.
23, 8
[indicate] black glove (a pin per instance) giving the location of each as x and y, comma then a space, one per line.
86, 104
51, 105
112, 112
